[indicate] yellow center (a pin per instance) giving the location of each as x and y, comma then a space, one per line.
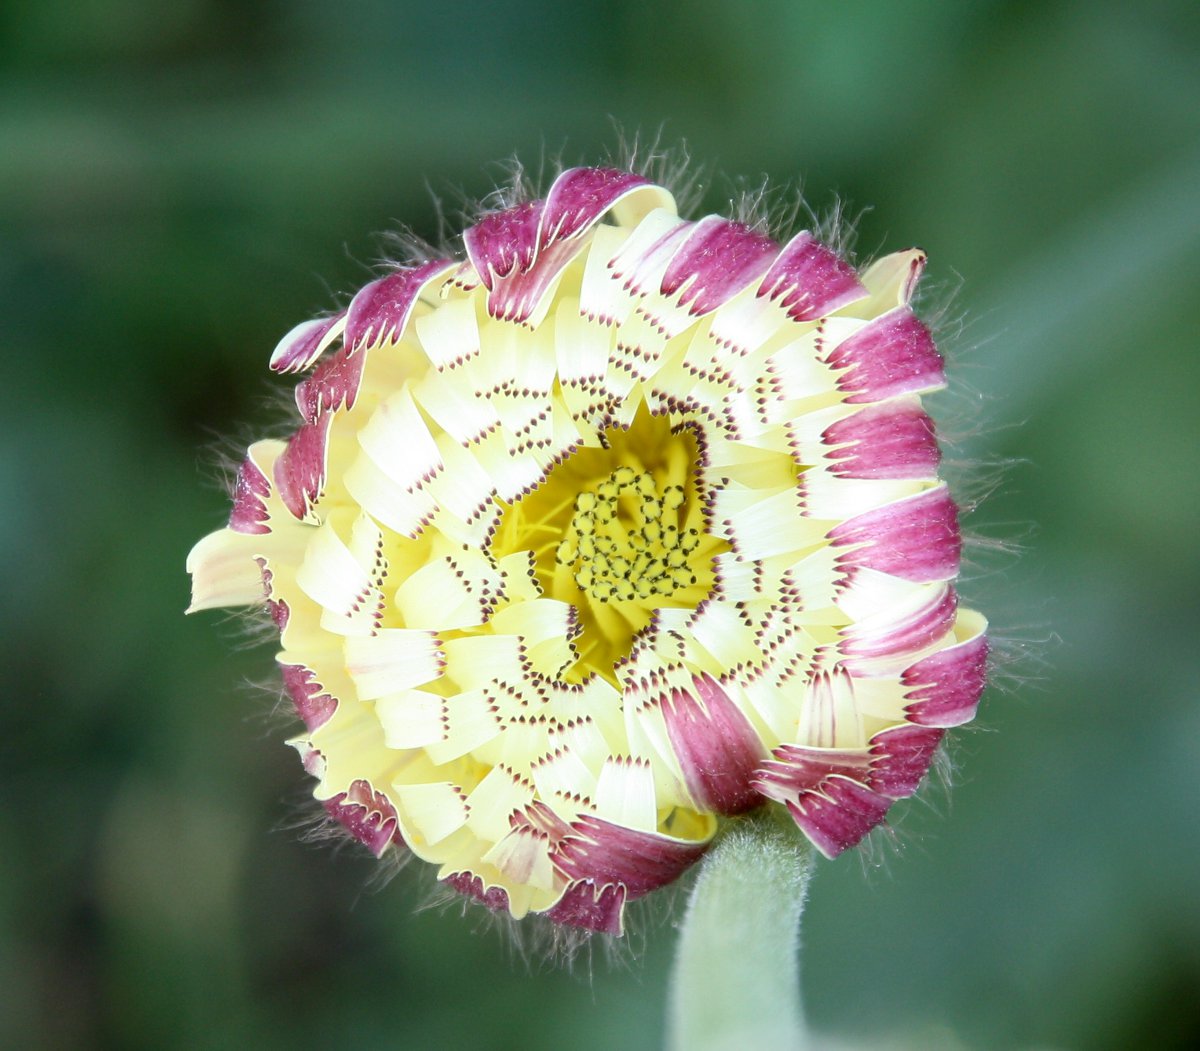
617, 532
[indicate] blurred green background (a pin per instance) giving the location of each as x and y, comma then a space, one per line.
180, 183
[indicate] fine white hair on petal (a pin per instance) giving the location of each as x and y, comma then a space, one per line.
666, 163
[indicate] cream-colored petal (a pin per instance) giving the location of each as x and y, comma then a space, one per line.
891, 281
224, 571
392, 660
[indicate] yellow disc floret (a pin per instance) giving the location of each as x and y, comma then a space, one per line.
618, 532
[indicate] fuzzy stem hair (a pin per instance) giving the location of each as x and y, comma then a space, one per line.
736, 978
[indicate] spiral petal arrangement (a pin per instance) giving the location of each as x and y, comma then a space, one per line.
616, 526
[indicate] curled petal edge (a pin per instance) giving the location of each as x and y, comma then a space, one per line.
520, 252
380, 312
367, 815
837, 796
892, 280
224, 572
809, 280
718, 259
605, 866
304, 344
944, 688
313, 703
299, 472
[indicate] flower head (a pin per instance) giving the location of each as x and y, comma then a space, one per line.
618, 525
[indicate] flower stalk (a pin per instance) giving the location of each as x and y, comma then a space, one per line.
735, 982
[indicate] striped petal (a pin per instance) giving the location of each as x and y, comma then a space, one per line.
717, 748
809, 280
890, 356
380, 311
916, 538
